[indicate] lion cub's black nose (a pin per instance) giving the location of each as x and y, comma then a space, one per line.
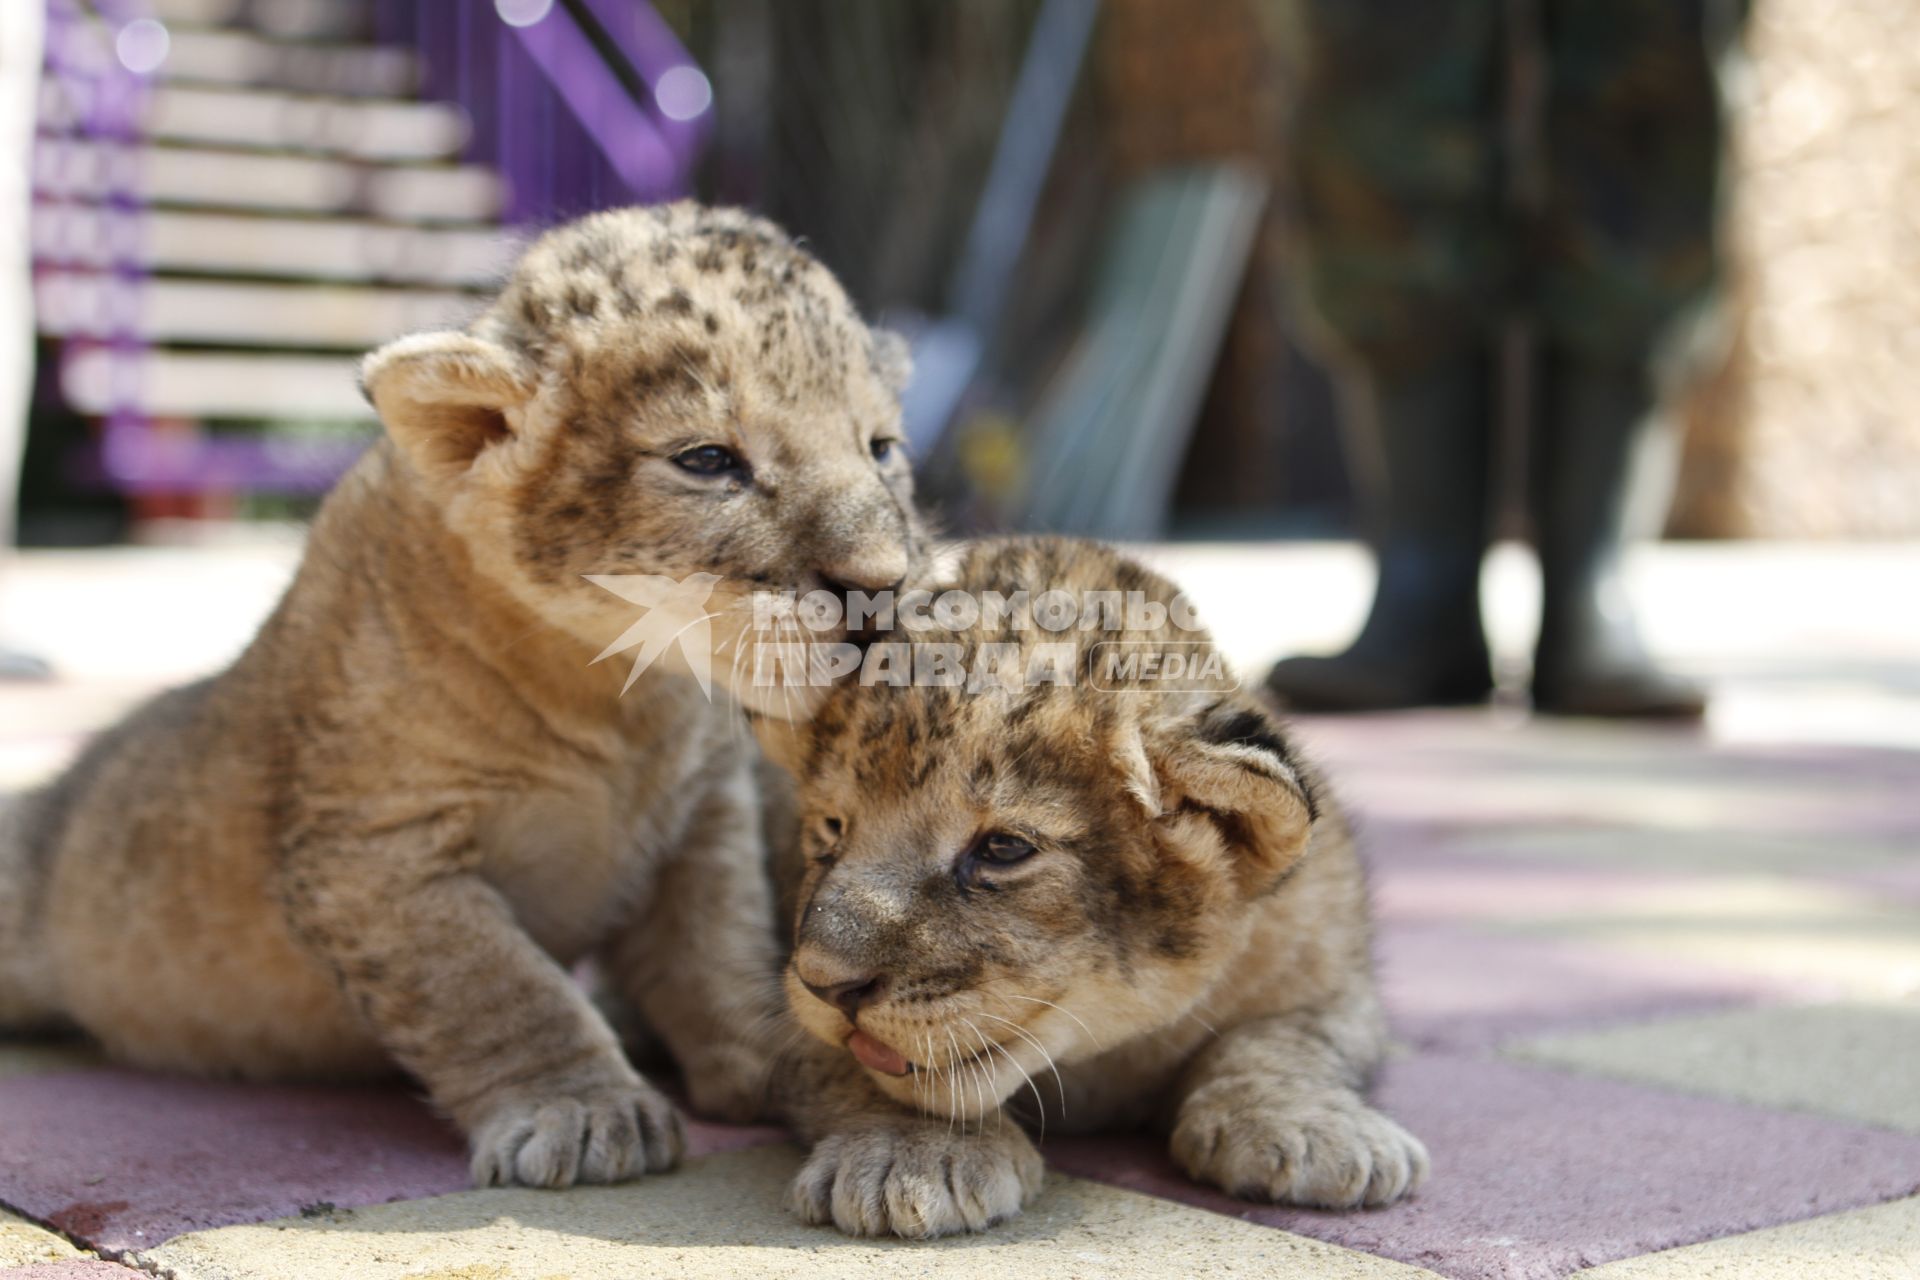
849, 997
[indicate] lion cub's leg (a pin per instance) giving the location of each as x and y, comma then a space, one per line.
26, 980
697, 960
1272, 1111
503, 1038
878, 1169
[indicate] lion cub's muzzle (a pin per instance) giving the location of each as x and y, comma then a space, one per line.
849, 989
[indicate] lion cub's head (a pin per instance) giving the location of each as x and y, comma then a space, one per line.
1046, 855
670, 391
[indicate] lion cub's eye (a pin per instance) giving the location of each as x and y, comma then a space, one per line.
708, 460
1001, 849
882, 448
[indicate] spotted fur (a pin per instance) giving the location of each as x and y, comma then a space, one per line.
1187, 947
630, 337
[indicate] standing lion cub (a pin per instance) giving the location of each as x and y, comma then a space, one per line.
1072, 873
385, 833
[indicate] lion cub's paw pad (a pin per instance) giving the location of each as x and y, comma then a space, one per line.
1328, 1153
605, 1135
916, 1182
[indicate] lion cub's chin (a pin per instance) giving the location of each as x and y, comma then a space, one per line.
947, 1073
957, 1089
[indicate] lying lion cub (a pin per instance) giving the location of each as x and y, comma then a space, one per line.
385, 833
1092, 884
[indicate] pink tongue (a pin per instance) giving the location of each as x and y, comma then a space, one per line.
872, 1053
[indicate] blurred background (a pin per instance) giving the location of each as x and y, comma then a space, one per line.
1087, 214
1269, 290
234, 197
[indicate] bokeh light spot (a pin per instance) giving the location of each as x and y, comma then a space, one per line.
522, 13
142, 45
683, 93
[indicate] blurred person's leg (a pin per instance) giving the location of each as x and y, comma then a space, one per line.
20, 38
1633, 136
1397, 175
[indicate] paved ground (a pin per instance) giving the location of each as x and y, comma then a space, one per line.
1657, 992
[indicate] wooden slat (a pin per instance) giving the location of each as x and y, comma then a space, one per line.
358, 128
184, 384
319, 248
80, 304
299, 19
240, 59
72, 169
372, 130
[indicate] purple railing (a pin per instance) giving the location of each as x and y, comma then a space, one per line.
571, 120
107, 100
558, 120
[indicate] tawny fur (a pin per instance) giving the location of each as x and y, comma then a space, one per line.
386, 832
1188, 948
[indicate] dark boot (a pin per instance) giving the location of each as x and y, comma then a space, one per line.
1421, 459
18, 666
24, 666
1601, 472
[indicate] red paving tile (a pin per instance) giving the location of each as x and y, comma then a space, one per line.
1420, 884
1898, 883
1446, 775
122, 1160
1447, 987
1537, 1174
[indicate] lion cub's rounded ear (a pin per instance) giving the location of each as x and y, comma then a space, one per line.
1231, 762
444, 397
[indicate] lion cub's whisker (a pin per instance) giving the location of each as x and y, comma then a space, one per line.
1039, 1102
1044, 1054
1063, 1009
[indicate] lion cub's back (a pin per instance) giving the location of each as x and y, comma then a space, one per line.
156, 853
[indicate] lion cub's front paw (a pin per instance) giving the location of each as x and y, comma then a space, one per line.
1326, 1149
608, 1133
917, 1180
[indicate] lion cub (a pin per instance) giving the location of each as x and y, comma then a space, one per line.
386, 832
1081, 877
